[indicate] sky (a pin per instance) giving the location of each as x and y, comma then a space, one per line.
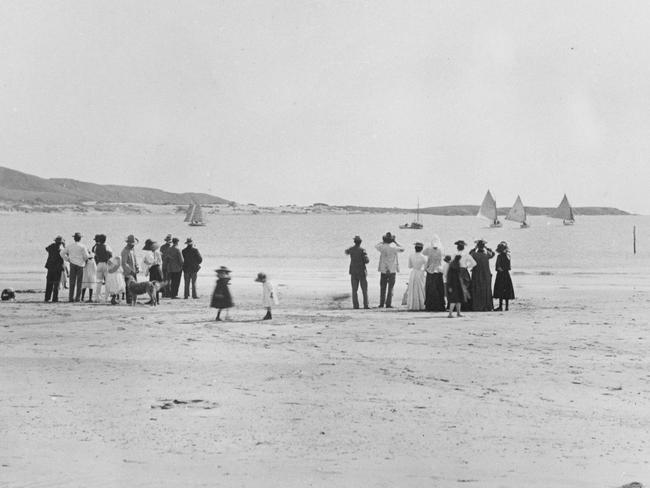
376, 103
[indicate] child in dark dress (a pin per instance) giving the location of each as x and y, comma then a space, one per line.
221, 297
503, 289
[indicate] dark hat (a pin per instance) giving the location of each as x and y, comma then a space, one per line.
168, 238
222, 269
418, 244
447, 258
98, 238
477, 241
102, 238
189, 241
148, 245
77, 235
356, 239
175, 240
387, 237
460, 243
58, 239
131, 239
502, 246
260, 277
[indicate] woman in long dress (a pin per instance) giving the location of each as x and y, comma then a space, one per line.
481, 288
503, 289
456, 287
417, 279
435, 288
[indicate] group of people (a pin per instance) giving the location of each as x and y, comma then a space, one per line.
91, 269
437, 282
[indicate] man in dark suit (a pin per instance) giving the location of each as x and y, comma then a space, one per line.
174, 261
358, 261
191, 265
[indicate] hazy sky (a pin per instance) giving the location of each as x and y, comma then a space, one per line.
356, 102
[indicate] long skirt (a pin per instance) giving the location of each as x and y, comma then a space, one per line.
481, 290
503, 286
89, 279
458, 285
435, 293
415, 294
154, 273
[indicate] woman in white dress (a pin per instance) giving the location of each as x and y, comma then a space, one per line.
417, 279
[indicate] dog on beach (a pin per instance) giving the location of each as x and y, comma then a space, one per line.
150, 288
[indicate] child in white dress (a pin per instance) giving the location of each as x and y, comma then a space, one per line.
89, 279
269, 295
114, 279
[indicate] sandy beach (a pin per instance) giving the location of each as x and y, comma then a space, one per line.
552, 393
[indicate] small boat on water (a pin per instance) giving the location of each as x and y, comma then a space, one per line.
518, 213
564, 212
194, 215
416, 224
488, 210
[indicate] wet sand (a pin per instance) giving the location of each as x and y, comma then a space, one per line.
554, 393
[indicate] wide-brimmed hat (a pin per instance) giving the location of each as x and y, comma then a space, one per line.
77, 235
148, 245
189, 241
168, 238
502, 246
357, 239
460, 243
58, 239
131, 239
260, 277
479, 241
222, 269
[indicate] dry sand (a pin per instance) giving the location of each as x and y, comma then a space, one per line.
554, 393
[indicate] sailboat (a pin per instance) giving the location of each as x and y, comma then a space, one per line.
416, 224
194, 215
488, 210
565, 212
518, 213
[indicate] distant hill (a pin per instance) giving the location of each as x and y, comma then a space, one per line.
473, 210
16, 186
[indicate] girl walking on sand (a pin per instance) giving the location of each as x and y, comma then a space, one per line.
503, 289
221, 297
269, 296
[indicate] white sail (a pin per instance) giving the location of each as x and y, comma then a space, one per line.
564, 210
518, 212
197, 215
488, 208
189, 212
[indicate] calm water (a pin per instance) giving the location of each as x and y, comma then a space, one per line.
308, 249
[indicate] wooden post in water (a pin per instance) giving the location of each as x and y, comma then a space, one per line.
634, 238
